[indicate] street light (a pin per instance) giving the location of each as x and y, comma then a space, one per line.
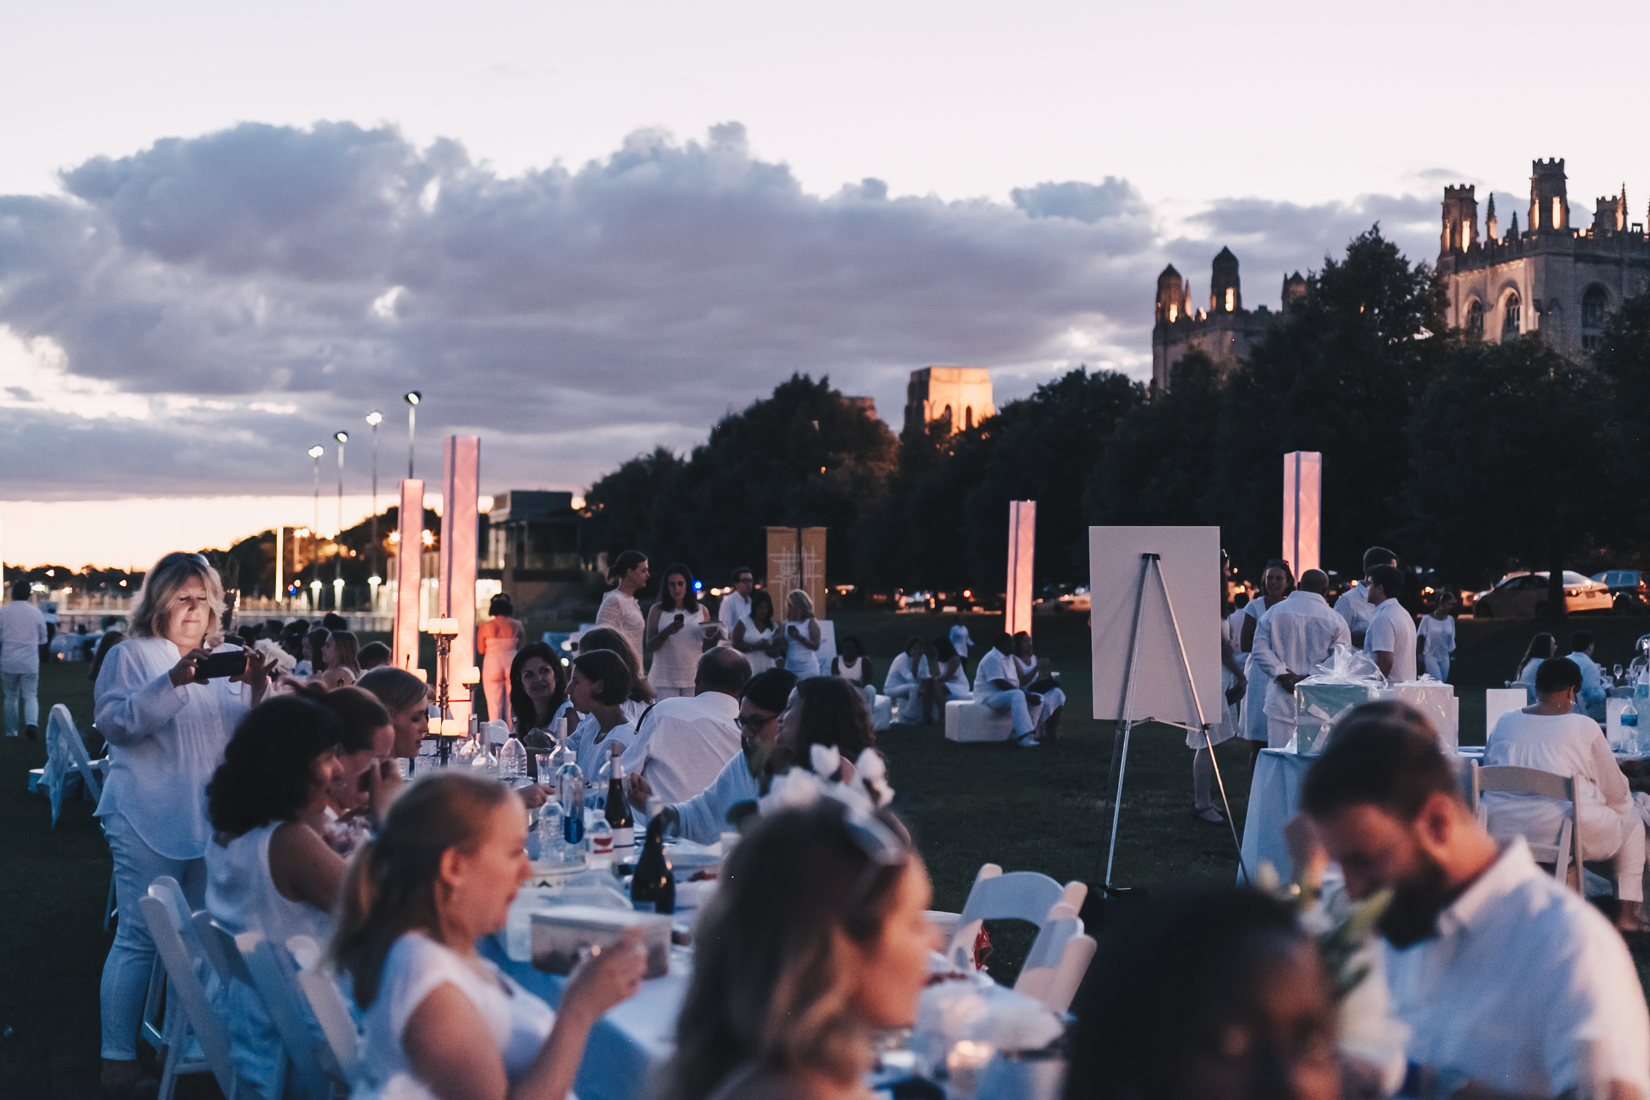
316, 452
412, 398
338, 556
374, 418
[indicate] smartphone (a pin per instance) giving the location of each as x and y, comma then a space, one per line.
679, 617
220, 665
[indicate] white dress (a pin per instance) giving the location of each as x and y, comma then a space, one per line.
1440, 636
415, 967
760, 662
241, 896
622, 613
676, 661
798, 657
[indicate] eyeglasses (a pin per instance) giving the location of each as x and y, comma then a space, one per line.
748, 722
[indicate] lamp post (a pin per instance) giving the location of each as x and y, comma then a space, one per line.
338, 548
412, 398
374, 418
316, 452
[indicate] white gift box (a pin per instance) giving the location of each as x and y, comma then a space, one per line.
1437, 701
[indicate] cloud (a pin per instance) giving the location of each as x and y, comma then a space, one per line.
254, 289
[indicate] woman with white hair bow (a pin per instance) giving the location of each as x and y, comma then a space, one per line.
167, 725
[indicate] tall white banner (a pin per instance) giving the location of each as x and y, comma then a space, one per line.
1302, 502
1022, 553
460, 481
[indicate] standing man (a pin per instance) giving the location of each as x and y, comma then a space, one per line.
22, 633
1354, 605
959, 639
1292, 639
736, 604
1390, 636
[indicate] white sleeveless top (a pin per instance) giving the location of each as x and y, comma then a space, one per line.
676, 662
958, 684
760, 662
415, 967
622, 613
798, 657
241, 895
851, 670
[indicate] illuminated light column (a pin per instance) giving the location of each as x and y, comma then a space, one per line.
409, 577
1022, 547
1302, 504
456, 598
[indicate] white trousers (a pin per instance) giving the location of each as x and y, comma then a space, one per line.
1012, 700
905, 704
22, 693
126, 971
495, 683
1618, 838
1437, 666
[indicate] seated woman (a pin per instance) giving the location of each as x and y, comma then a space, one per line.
754, 634
598, 689
774, 737
816, 941
311, 662
641, 691
367, 778
1035, 679
950, 679
1542, 648
268, 867
442, 1022
1209, 995
341, 655
538, 693
406, 698
907, 682
852, 665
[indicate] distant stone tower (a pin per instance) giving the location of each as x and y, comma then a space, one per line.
1489, 221
1171, 296
960, 395
1460, 219
1549, 200
1294, 289
1225, 295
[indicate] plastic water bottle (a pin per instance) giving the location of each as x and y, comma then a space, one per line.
1629, 718
1641, 686
484, 763
570, 794
552, 844
512, 761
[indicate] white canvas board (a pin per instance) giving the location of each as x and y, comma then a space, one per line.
1190, 568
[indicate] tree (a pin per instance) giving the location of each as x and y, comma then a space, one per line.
1506, 442
1623, 359
1159, 466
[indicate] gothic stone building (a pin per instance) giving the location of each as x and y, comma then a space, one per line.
1552, 278
1226, 332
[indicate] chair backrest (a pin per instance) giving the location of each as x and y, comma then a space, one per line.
275, 977
183, 969
218, 944
1498, 701
1056, 963
326, 1001
64, 751
1019, 895
1508, 779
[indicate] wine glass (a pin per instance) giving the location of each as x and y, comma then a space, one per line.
1617, 672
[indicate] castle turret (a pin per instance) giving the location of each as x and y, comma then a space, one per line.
1171, 297
1549, 199
1294, 289
1489, 220
1225, 295
1610, 213
1460, 219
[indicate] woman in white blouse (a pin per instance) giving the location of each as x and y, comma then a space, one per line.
442, 1023
677, 634
166, 732
753, 635
598, 689
619, 610
801, 635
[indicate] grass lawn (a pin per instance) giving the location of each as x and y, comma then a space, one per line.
1026, 809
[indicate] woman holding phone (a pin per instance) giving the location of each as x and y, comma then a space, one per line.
167, 705
679, 630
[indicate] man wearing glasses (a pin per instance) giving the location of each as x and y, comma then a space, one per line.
736, 605
703, 817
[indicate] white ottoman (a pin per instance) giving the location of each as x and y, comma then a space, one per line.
882, 715
965, 721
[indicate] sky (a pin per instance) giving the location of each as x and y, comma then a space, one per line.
582, 231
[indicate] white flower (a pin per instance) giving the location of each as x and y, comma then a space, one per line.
826, 760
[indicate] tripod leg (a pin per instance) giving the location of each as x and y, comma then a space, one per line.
1117, 803
1230, 824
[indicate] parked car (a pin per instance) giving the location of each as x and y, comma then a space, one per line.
1524, 596
1629, 588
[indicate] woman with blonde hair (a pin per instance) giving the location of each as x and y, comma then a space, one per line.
801, 635
342, 655
441, 1021
815, 941
167, 726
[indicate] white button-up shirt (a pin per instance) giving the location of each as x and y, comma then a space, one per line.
164, 743
1353, 606
1521, 970
22, 633
734, 607
684, 743
1392, 630
994, 665
704, 817
1295, 635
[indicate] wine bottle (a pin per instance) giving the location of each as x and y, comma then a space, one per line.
653, 886
618, 807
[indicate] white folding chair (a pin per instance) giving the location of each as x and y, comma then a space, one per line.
1020, 895
1505, 778
275, 976
326, 1001
173, 931
159, 1010
66, 752
1056, 963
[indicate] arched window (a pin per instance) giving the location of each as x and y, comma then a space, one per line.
1592, 307
1510, 326
948, 414
968, 416
1475, 317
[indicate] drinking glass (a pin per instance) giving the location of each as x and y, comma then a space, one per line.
545, 768
1617, 672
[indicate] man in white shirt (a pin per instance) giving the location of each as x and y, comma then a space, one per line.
1390, 637
736, 604
1353, 604
684, 742
997, 685
959, 639
22, 633
1549, 737
1592, 694
1293, 638
1506, 980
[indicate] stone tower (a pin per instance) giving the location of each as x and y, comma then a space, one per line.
1294, 289
1489, 221
1460, 219
1170, 296
1549, 201
1225, 295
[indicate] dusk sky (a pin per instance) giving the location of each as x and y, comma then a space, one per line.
586, 230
